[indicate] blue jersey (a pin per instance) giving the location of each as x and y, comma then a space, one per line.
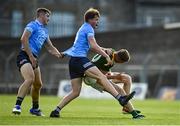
81, 45
39, 35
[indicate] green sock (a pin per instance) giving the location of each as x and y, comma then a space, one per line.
134, 113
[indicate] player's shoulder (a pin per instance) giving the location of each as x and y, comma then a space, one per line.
87, 27
32, 24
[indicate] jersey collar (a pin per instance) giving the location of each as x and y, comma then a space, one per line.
39, 23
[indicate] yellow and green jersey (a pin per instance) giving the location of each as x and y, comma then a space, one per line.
100, 61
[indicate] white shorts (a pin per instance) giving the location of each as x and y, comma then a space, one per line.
93, 83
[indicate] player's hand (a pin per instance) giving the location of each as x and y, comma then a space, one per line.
62, 55
33, 61
108, 51
59, 55
109, 75
109, 61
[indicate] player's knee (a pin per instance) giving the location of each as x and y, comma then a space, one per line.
76, 94
128, 79
38, 85
29, 81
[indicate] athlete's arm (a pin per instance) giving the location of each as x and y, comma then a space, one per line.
95, 47
25, 42
107, 50
117, 76
51, 49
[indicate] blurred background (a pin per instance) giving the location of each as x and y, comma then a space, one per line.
137, 25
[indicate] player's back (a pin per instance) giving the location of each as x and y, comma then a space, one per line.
81, 45
100, 62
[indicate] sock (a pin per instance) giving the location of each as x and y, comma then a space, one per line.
118, 96
35, 105
19, 101
134, 113
58, 109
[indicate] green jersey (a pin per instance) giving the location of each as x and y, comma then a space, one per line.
100, 62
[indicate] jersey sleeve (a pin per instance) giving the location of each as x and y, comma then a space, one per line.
47, 38
90, 31
30, 27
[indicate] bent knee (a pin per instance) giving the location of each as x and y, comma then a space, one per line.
75, 94
30, 80
127, 78
37, 85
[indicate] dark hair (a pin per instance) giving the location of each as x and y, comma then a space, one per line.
124, 55
42, 10
90, 14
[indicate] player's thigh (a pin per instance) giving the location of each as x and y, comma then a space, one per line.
120, 77
126, 78
76, 84
27, 72
38, 79
94, 72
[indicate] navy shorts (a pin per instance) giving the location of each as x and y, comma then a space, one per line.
78, 65
23, 58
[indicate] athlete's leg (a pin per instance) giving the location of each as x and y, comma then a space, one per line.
35, 93
125, 79
36, 88
95, 73
28, 75
122, 92
127, 108
135, 113
76, 89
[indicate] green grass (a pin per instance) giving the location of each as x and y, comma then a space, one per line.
90, 112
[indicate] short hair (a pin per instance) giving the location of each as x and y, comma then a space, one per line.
44, 10
124, 55
90, 14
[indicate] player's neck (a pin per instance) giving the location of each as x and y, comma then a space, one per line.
40, 21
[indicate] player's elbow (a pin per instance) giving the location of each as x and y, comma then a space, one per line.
23, 39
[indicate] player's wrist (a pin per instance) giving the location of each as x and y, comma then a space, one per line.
31, 56
107, 57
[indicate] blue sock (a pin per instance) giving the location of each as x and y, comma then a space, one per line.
58, 109
118, 97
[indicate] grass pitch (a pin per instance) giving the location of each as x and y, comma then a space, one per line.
90, 112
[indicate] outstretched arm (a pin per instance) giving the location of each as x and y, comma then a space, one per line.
96, 48
51, 49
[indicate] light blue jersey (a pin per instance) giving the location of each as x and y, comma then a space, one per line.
39, 35
81, 45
